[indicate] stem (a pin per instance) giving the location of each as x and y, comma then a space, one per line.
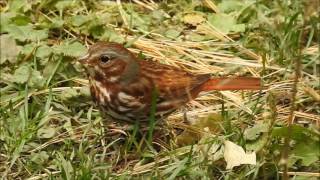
286, 148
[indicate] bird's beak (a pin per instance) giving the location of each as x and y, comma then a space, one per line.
84, 59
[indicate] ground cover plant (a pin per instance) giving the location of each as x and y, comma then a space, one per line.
49, 127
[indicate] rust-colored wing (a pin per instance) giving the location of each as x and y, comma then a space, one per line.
173, 82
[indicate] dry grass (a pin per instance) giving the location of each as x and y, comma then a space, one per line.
81, 136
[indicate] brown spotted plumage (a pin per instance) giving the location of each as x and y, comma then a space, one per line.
123, 86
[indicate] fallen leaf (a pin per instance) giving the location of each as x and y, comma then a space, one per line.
193, 19
235, 155
46, 132
40, 157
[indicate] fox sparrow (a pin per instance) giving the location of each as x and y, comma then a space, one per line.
123, 86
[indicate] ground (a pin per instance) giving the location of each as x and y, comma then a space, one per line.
50, 128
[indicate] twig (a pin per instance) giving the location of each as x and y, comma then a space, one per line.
285, 155
272, 120
308, 174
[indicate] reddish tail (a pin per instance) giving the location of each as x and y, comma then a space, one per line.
232, 83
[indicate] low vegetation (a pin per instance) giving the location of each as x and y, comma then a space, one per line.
50, 128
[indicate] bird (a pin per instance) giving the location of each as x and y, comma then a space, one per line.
124, 87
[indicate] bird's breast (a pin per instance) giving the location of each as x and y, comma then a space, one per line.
117, 103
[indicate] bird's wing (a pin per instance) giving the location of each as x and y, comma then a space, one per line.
172, 82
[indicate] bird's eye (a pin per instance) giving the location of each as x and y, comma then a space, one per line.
105, 58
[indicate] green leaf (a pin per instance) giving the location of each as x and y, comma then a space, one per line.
17, 5
54, 23
19, 32
298, 133
229, 6
79, 20
10, 51
112, 36
195, 37
49, 68
36, 35
225, 23
43, 51
65, 166
36, 79
5, 20
21, 20
28, 48
57, 23
254, 132
257, 145
137, 20
306, 146
95, 25
76, 95
72, 49
96, 31
26, 74
159, 15
61, 5
307, 151
69, 93
22, 74
172, 33
85, 91
23, 33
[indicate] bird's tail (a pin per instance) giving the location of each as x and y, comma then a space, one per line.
233, 83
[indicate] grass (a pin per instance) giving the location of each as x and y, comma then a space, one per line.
49, 127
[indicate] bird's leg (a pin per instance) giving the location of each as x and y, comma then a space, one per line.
185, 116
